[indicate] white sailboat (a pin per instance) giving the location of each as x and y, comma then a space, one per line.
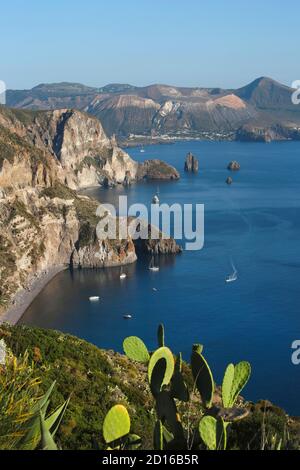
123, 275
232, 277
127, 316
155, 199
152, 266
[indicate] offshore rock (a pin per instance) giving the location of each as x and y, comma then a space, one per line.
191, 163
234, 166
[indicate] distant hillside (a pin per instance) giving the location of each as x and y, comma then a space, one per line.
261, 110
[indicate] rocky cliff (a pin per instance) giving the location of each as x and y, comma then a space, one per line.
44, 223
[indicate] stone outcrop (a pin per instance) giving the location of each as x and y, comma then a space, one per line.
156, 242
191, 163
234, 166
229, 180
157, 169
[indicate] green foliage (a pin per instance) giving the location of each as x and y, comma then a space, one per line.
95, 379
213, 432
170, 392
235, 379
47, 442
264, 429
23, 421
135, 349
116, 424
203, 378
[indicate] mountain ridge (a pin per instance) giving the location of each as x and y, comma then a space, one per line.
260, 110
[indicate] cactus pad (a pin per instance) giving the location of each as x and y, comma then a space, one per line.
235, 379
116, 424
168, 356
213, 433
135, 349
227, 386
203, 378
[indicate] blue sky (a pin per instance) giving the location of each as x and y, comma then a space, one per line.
187, 42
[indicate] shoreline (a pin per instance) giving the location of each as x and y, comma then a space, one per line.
24, 298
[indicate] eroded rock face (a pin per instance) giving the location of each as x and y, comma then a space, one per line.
44, 158
156, 243
39, 232
72, 147
104, 253
191, 163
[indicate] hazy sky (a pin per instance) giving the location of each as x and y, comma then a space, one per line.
182, 42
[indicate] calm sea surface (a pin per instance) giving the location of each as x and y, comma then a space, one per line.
256, 222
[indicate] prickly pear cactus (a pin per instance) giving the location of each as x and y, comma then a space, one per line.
242, 372
213, 432
161, 335
158, 436
167, 413
135, 349
166, 354
227, 386
158, 375
198, 348
116, 424
179, 389
203, 378
235, 379
178, 363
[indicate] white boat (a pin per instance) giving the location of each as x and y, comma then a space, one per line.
122, 274
154, 289
127, 317
155, 199
142, 150
94, 298
232, 277
152, 266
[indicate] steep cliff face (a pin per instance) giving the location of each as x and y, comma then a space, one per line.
44, 158
67, 145
43, 229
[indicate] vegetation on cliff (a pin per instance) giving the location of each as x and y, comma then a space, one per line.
95, 380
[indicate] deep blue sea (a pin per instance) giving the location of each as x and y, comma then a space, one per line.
256, 222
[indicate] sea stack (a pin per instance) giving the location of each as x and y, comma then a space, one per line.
233, 166
191, 163
229, 180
